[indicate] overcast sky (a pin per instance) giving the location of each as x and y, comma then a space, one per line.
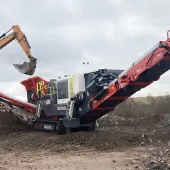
64, 33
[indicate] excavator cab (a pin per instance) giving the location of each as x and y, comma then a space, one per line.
27, 68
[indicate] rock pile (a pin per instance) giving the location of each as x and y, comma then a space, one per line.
4, 107
111, 119
18, 113
159, 159
13, 119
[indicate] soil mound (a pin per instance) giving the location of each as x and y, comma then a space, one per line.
10, 119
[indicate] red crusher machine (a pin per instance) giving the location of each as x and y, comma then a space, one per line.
78, 101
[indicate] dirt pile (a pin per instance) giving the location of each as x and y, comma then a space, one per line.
159, 159
104, 140
12, 119
111, 119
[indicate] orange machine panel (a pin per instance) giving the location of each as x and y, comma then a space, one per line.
37, 83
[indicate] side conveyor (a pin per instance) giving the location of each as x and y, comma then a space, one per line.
18, 103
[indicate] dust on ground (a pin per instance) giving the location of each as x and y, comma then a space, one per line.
120, 146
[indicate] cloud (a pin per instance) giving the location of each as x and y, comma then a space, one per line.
14, 89
63, 34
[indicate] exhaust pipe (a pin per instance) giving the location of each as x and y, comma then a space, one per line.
27, 68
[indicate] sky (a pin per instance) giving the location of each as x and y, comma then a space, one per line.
106, 33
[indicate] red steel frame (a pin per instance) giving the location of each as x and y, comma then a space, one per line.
16, 102
31, 83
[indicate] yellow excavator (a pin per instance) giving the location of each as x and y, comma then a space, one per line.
27, 68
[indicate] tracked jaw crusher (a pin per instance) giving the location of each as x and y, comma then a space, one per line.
77, 102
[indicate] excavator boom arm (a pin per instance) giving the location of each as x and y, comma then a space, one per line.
5, 41
21, 38
25, 68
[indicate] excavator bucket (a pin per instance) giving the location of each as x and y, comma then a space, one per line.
27, 68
